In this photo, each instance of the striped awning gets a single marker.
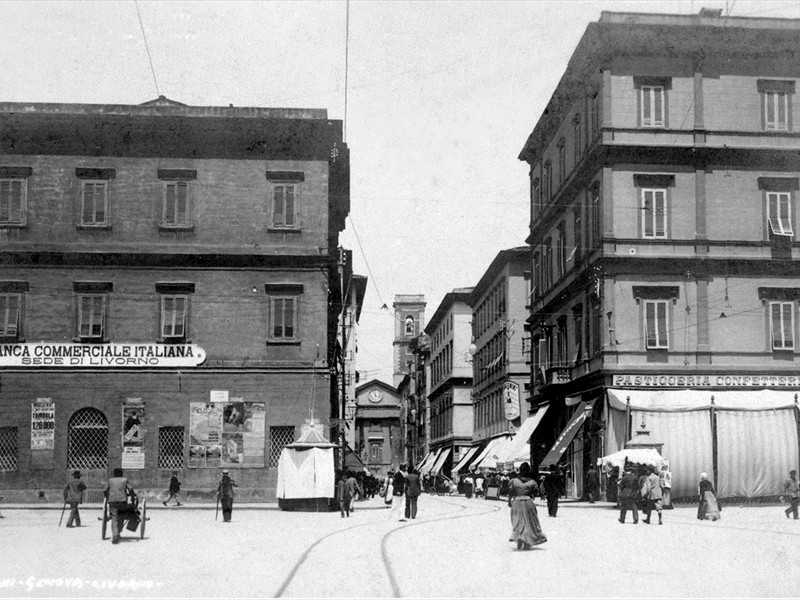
(466, 459)
(437, 466)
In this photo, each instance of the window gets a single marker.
(283, 316)
(776, 104)
(576, 138)
(656, 323)
(279, 437)
(596, 325)
(561, 251)
(577, 229)
(87, 440)
(577, 331)
(594, 115)
(782, 325)
(284, 200)
(10, 309)
(410, 329)
(562, 162)
(174, 317)
(375, 452)
(652, 106)
(8, 449)
(92, 316)
(547, 266)
(171, 442)
(94, 203)
(654, 211)
(594, 211)
(779, 213)
(13, 197)
(176, 204)
(537, 276)
(561, 342)
(547, 182)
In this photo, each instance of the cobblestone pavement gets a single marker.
(455, 548)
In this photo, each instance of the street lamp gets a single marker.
(350, 410)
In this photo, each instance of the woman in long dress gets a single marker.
(526, 530)
(709, 507)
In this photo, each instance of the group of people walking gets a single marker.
(401, 491)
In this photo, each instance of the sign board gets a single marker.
(706, 381)
(511, 400)
(43, 424)
(42, 354)
(219, 395)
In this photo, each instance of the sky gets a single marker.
(440, 98)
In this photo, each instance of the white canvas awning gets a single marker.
(465, 460)
(437, 466)
(519, 450)
(682, 400)
(424, 462)
(489, 456)
(432, 461)
(638, 456)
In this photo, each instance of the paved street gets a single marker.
(455, 548)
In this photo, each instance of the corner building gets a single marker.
(664, 187)
(168, 288)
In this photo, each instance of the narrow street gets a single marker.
(455, 548)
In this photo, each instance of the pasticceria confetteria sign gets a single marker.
(706, 381)
(43, 354)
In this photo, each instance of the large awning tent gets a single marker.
(747, 439)
(519, 449)
(306, 473)
(430, 461)
(469, 456)
(636, 456)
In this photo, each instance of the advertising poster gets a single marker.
(511, 400)
(227, 434)
(43, 424)
(133, 434)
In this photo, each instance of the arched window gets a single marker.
(87, 440)
(410, 326)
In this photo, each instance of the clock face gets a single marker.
(375, 396)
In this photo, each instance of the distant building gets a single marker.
(417, 414)
(169, 290)
(409, 314)
(664, 186)
(379, 438)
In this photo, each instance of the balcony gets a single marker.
(557, 375)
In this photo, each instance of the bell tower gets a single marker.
(409, 315)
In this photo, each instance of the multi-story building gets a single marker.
(378, 426)
(169, 289)
(664, 186)
(409, 315)
(418, 413)
(500, 366)
(450, 395)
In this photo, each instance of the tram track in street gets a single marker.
(385, 558)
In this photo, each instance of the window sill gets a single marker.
(787, 354)
(283, 342)
(284, 230)
(88, 340)
(165, 227)
(13, 225)
(83, 227)
(173, 341)
(11, 339)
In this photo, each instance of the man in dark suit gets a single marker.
(413, 491)
(628, 487)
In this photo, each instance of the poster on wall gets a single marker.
(43, 424)
(133, 434)
(227, 434)
(511, 400)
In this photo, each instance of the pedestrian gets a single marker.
(353, 488)
(121, 498)
(398, 494)
(388, 489)
(613, 486)
(653, 495)
(525, 527)
(666, 485)
(628, 490)
(592, 484)
(413, 491)
(553, 484)
(478, 485)
(792, 489)
(73, 495)
(174, 489)
(468, 486)
(709, 507)
(343, 495)
(225, 494)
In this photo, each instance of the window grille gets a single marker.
(171, 442)
(88, 440)
(278, 438)
(8, 448)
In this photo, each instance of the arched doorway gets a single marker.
(87, 440)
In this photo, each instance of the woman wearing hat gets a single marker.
(73, 494)
(225, 495)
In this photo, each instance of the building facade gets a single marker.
(409, 315)
(417, 405)
(170, 290)
(450, 395)
(379, 433)
(664, 179)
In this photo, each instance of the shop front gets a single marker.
(740, 429)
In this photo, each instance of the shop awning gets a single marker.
(682, 400)
(424, 462)
(488, 458)
(519, 450)
(437, 466)
(466, 459)
(352, 462)
(583, 412)
(431, 461)
(637, 456)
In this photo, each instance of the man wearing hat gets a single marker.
(225, 495)
(174, 489)
(73, 494)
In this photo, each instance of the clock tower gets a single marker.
(409, 315)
